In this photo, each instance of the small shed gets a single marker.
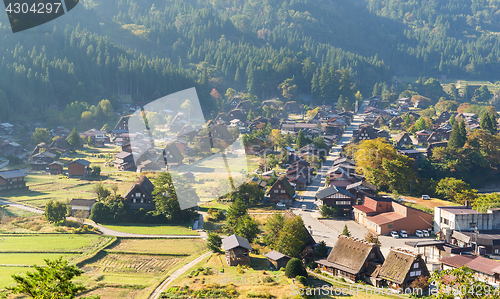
(237, 250)
(277, 260)
(56, 167)
(79, 168)
(84, 205)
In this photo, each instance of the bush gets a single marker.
(301, 279)
(295, 267)
(267, 279)
(312, 265)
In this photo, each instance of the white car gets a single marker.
(426, 233)
(426, 197)
(281, 205)
(394, 234)
(403, 234)
(419, 233)
(304, 207)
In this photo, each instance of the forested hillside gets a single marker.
(326, 48)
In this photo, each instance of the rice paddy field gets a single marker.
(18, 253)
(132, 268)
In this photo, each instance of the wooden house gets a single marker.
(236, 114)
(148, 165)
(245, 107)
(365, 132)
(401, 268)
(337, 197)
(352, 259)
(292, 107)
(282, 192)
(434, 137)
(12, 179)
(233, 103)
(41, 161)
(171, 155)
(422, 136)
(123, 123)
(124, 161)
(237, 250)
(276, 260)
(403, 140)
(83, 206)
(361, 189)
(79, 169)
(56, 168)
(140, 195)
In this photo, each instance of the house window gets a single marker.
(390, 226)
(412, 273)
(496, 251)
(415, 266)
(282, 191)
(472, 225)
(134, 200)
(445, 221)
(138, 194)
(142, 200)
(275, 191)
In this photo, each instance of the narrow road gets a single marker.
(102, 229)
(163, 286)
(323, 231)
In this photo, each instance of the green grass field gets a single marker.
(165, 229)
(28, 259)
(50, 243)
(29, 250)
(160, 246)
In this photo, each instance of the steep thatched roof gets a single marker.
(397, 265)
(350, 254)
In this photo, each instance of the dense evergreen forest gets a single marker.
(327, 48)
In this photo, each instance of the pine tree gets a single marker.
(455, 138)
(74, 140)
(463, 133)
(346, 231)
(301, 142)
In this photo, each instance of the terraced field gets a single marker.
(124, 263)
(160, 246)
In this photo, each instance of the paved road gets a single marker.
(156, 294)
(107, 231)
(329, 230)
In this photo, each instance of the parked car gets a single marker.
(426, 197)
(419, 233)
(281, 205)
(426, 233)
(403, 234)
(304, 207)
(394, 234)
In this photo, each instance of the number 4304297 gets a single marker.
(34, 8)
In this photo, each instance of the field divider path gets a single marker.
(162, 287)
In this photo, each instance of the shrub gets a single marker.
(267, 279)
(312, 265)
(295, 267)
(301, 279)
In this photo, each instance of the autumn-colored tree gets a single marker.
(215, 94)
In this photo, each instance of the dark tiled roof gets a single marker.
(82, 202)
(123, 155)
(234, 241)
(332, 190)
(274, 255)
(81, 162)
(10, 174)
(361, 183)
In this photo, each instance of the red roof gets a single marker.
(384, 218)
(475, 263)
(363, 209)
